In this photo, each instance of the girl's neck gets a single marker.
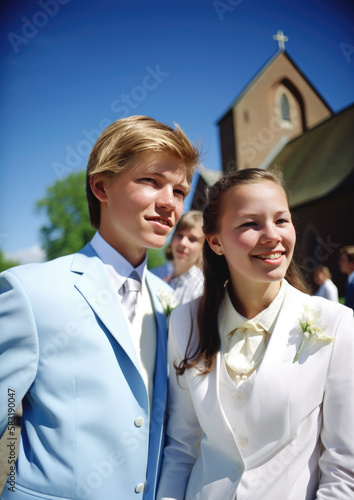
(250, 301)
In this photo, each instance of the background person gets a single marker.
(83, 337)
(258, 411)
(326, 288)
(346, 265)
(183, 273)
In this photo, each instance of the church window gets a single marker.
(285, 108)
(246, 116)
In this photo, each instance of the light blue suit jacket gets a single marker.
(66, 350)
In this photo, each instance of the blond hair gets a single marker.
(126, 140)
(189, 220)
(325, 270)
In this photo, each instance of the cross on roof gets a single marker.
(281, 38)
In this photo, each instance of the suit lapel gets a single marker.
(95, 286)
(157, 425)
(161, 332)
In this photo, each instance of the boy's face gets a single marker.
(141, 206)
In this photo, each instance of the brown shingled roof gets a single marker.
(317, 162)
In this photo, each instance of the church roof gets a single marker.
(316, 163)
(319, 161)
(255, 79)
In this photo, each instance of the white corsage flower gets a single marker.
(168, 301)
(312, 328)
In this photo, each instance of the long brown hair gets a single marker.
(216, 271)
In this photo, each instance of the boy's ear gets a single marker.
(98, 185)
(215, 244)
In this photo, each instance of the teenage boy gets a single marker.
(82, 348)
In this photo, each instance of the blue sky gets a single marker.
(71, 67)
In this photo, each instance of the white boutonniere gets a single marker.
(168, 301)
(312, 328)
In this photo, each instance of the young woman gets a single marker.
(261, 379)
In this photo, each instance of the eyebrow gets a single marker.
(183, 185)
(162, 174)
(279, 212)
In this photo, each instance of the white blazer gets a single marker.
(299, 417)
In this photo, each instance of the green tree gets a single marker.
(156, 257)
(69, 227)
(6, 263)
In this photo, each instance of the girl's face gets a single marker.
(256, 234)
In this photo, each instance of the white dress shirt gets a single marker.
(244, 357)
(188, 286)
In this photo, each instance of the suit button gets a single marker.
(139, 488)
(243, 442)
(138, 422)
(239, 467)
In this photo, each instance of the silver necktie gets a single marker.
(131, 288)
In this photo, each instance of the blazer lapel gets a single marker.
(161, 350)
(95, 286)
(157, 425)
(287, 333)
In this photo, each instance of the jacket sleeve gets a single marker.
(183, 429)
(337, 459)
(18, 346)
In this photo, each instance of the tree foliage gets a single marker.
(69, 227)
(156, 257)
(6, 263)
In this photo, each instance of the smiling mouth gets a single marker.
(270, 256)
(164, 222)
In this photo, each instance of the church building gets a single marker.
(280, 118)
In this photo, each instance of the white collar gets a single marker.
(231, 319)
(117, 266)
